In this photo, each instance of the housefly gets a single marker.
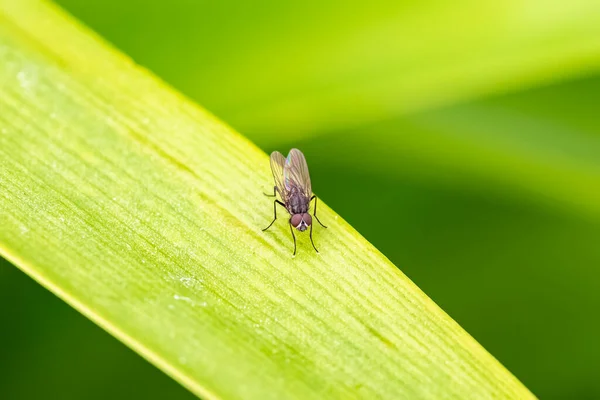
(292, 182)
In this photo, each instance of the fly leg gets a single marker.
(274, 192)
(274, 212)
(294, 237)
(311, 239)
(315, 214)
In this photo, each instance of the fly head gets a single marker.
(301, 221)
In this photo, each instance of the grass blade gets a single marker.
(319, 67)
(144, 212)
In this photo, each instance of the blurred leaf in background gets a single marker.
(274, 68)
(459, 138)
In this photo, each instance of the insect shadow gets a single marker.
(292, 182)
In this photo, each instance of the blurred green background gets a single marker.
(462, 139)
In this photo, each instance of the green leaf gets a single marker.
(143, 212)
(275, 68)
(50, 350)
(540, 146)
(301, 80)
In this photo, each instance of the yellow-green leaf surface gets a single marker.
(314, 67)
(391, 58)
(370, 75)
(144, 212)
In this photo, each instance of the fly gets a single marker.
(292, 182)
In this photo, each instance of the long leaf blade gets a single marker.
(320, 67)
(144, 213)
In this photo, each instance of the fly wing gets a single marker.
(295, 173)
(277, 164)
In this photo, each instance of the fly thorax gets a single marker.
(297, 204)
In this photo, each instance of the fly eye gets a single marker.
(296, 220)
(307, 219)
